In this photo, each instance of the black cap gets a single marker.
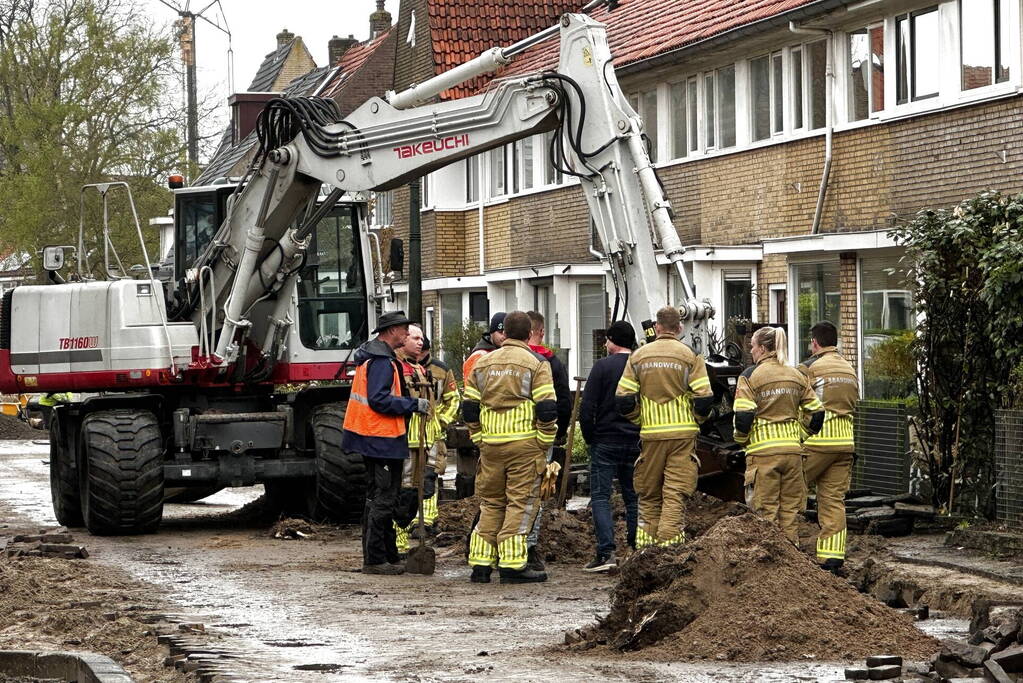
(497, 322)
(622, 333)
(426, 342)
(391, 319)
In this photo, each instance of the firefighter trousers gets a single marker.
(830, 472)
(775, 489)
(508, 486)
(664, 477)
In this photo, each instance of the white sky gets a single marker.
(254, 25)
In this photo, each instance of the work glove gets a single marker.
(423, 407)
(549, 484)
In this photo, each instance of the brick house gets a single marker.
(921, 111)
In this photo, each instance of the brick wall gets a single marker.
(373, 79)
(298, 63)
(773, 270)
(847, 325)
(412, 64)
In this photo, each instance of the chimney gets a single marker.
(336, 47)
(284, 37)
(245, 107)
(379, 21)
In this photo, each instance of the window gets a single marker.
(709, 119)
(777, 94)
(592, 316)
(472, 179)
(817, 76)
(498, 171)
(917, 51)
(479, 307)
(645, 104)
(866, 72)
(450, 316)
(522, 171)
(760, 97)
(796, 62)
(694, 114)
(738, 294)
(777, 313)
(424, 191)
(817, 298)
(679, 132)
(331, 297)
(984, 39)
(886, 328)
(552, 176)
(544, 303)
(383, 208)
(726, 106)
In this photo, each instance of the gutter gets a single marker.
(811, 11)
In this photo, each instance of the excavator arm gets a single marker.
(385, 143)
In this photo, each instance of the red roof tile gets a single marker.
(639, 29)
(351, 61)
(461, 30)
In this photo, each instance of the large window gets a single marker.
(719, 108)
(472, 179)
(383, 208)
(866, 72)
(679, 121)
(522, 164)
(645, 104)
(918, 55)
(738, 294)
(479, 307)
(552, 175)
(693, 109)
(450, 315)
(985, 41)
(760, 97)
(886, 328)
(817, 298)
(592, 316)
(498, 171)
(817, 76)
(796, 66)
(331, 298)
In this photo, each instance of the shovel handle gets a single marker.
(563, 493)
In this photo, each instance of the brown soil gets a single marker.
(51, 604)
(741, 592)
(13, 428)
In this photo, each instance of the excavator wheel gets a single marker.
(121, 473)
(67, 503)
(338, 492)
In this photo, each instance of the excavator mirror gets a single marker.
(53, 258)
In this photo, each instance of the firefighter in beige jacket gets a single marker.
(665, 390)
(511, 413)
(770, 400)
(828, 455)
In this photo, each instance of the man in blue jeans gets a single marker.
(614, 445)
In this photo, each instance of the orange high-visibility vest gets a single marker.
(361, 419)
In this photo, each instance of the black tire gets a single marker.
(121, 476)
(67, 503)
(189, 494)
(340, 475)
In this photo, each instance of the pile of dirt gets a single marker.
(51, 604)
(742, 592)
(13, 428)
(703, 512)
(291, 529)
(454, 522)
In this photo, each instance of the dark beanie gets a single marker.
(497, 323)
(622, 334)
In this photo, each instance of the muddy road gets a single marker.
(300, 610)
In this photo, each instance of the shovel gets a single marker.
(422, 559)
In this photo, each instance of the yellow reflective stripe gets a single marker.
(481, 553)
(542, 390)
(508, 425)
(628, 384)
(643, 539)
(676, 414)
(743, 404)
(832, 547)
(472, 393)
(661, 429)
(700, 383)
(400, 538)
(544, 437)
(512, 552)
(813, 406)
(772, 443)
(837, 431)
(430, 512)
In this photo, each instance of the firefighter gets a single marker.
(828, 455)
(490, 341)
(666, 391)
(511, 412)
(770, 399)
(422, 368)
(374, 428)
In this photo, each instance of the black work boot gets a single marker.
(480, 574)
(534, 561)
(833, 565)
(524, 575)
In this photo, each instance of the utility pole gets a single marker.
(186, 39)
(415, 254)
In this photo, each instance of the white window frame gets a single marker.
(383, 209)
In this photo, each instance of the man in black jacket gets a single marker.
(614, 445)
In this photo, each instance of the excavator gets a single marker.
(272, 284)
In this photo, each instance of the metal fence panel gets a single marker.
(882, 444)
(1009, 465)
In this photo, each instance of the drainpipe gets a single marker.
(829, 116)
(479, 193)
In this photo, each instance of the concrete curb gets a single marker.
(83, 667)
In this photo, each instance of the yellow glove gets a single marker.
(549, 485)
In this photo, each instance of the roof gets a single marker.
(351, 61)
(227, 155)
(270, 69)
(640, 29)
(461, 30)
